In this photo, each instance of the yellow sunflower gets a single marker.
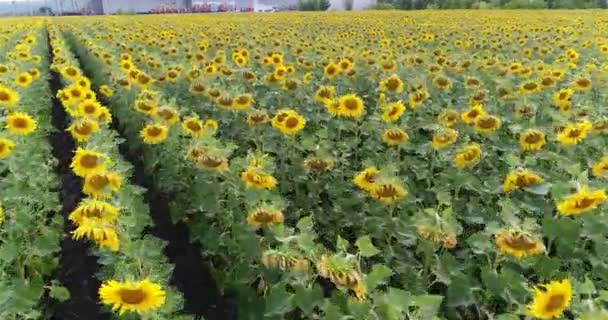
(563, 99)
(366, 179)
(20, 123)
(324, 94)
(106, 91)
(94, 209)
(582, 201)
(351, 106)
(331, 70)
(101, 185)
(8, 97)
(487, 124)
(264, 216)
(86, 162)
(132, 296)
(154, 133)
(472, 114)
(448, 118)
(257, 178)
(145, 106)
(582, 84)
(518, 244)
(6, 147)
(243, 102)
(387, 191)
(574, 133)
(89, 108)
(168, 115)
(468, 156)
(551, 300)
(392, 111)
(288, 121)
(24, 79)
(394, 137)
(193, 126)
(445, 138)
(392, 83)
(521, 179)
(600, 169)
(82, 128)
(532, 140)
(214, 163)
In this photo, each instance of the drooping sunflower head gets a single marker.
(274, 259)
(395, 137)
(342, 273)
(243, 101)
(520, 179)
(154, 133)
(102, 185)
(551, 300)
(20, 123)
(264, 215)
(366, 179)
(448, 118)
(600, 168)
(351, 106)
(387, 191)
(518, 244)
(487, 124)
(318, 165)
(257, 117)
(216, 163)
(132, 296)
(86, 162)
(255, 177)
(393, 111)
(325, 93)
(468, 156)
(532, 140)
(444, 138)
(225, 101)
(435, 234)
(6, 147)
(102, 211)
(582, 201)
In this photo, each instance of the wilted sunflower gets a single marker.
(350, 106)
(392, 111)
(273, 259)
(445, 138)
(551, 300)
(8, 97)
(140, 296)
(387, 191)
(600, 168)
(342, 273)
(518, 244)
(99, 231)
(264, 215)
(521, 179)
(20, 123)
(394, 137)
(94, 209)
(392, 83)
(101, 185)
(435, 234)
(468, 156)
(582, 201)
(532, 140)
(154, 133)
(225, 101)
(6, 147)
(366, 179)
(86, 162)
(81, 129)
(256, 177)
(487, 124)
(471, 115)
(316, 164)
(212, 162)
(574, 133)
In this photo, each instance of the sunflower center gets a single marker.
(83, 129)
(530, 86)
(154, 131)
(71, 72)
(257, 118)
(563, 95)
(471, 155)
(487, 123)
(473, 114)
(264, 217)
(584, 203)
(242, 100)
(89, 109)
(520, 242)
(211, 162)
(325, 93)
(574, 133)
(291, 122)
(555, 302)
(393, 84)
(442, 82)
(386, 191)
(351, 104)
(225, 101)
(532, 138)
(395, 135)
(547, 82)
(89, 161)
(20, 123)
(331, 70)
(583, 82)
(4, 96)
(132, 296)
(166, 114)
(99, 181)
(194, 126)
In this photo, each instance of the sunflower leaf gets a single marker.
(366, 247)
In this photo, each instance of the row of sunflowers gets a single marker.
(113, 213)
(30, 228)
(338, 165)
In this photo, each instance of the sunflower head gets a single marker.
(393, 111)
(387, 191)
(444, 138)
(8, 97)
(102, 185)
(487, 124)
(132, 296)
(6, 147)
(551, 300)
(518, 244)
(20, 123)
(351, 106)
(468, 156)
(86, 162)
(154, 133)
(264, 216)
(582, 201)
(395, 137)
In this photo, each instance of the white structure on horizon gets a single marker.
(340, 5)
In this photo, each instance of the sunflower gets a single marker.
(521, 179)
(243, 102)
(446, 138)
(288, 121)
(387, 191)
(86, 162)
(273, 259)
(574, 133)
(20, 123)
(89, 209)
(193, 126)
(394, 137)
(600, 169)
(83, 82)
(392, 83)
(129, 296)
(24, 79)
(487, 124)
(89, 108)
(529, 88)
(264, 216)
(318, 164)
(324, 94)
(562, 99)
(448, 118)
(106, 91)
(154, 133)
(71, 73)
(350, 106)
(472, 114)
(468, 156)
(6, 147)
(550, 300)
(518, 244)
(257, 178)
(342, 273)
(214, 163)
(82, 129)
(8, 96)
(392, 111)
(417, 97)
(225, 101)
(442, 83)
(532, 140)
(366, 179)
(582, 201)
(99, 231)
(101, 185)
(146, 106)
(258, 117)
(331, 70)
(581, 84)
(104, 115)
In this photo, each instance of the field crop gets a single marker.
(370, 165)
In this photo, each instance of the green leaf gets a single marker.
(366, 247)
(342, 244)
(539, 189)
(460, 291)
(507, 316)
(428, 304)
(59, 292)
(377, 275)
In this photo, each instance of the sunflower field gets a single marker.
(359, 165)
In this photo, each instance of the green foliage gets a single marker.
(313, 5)
(382, 6)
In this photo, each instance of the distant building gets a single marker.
(136, 6)
(356, 4)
